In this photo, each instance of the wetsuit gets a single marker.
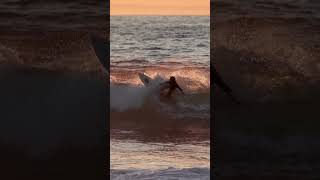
(171, 85)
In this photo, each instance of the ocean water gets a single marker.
(152, 138)
(268, 53)
(53, 15)
(51, 34)
(262, 8)
(52, 109)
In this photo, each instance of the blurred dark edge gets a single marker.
(270, 139)
(54, 123)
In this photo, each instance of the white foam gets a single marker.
(134, 96)
(124, 97)
(130, 97)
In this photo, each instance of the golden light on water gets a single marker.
(152, 156)
(160, 7)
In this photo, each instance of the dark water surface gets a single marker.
(268, 52)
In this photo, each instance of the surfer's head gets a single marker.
(172, 78)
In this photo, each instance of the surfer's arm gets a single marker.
(179, 88)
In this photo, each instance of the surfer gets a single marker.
(171, 85)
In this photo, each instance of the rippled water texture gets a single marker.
(151, 138)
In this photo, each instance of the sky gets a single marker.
(160, 7)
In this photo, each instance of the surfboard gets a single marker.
(146, 80)
(101, 48)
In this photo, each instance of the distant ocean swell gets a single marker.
(53, 15)
(276, 8)
(270, 58)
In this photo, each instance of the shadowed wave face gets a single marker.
(268, 53)
(53, 106)
(267, 57)
(52, 124)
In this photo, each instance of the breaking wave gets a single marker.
(130, 98)
(266, 64)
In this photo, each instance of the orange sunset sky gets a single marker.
(160, 7)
